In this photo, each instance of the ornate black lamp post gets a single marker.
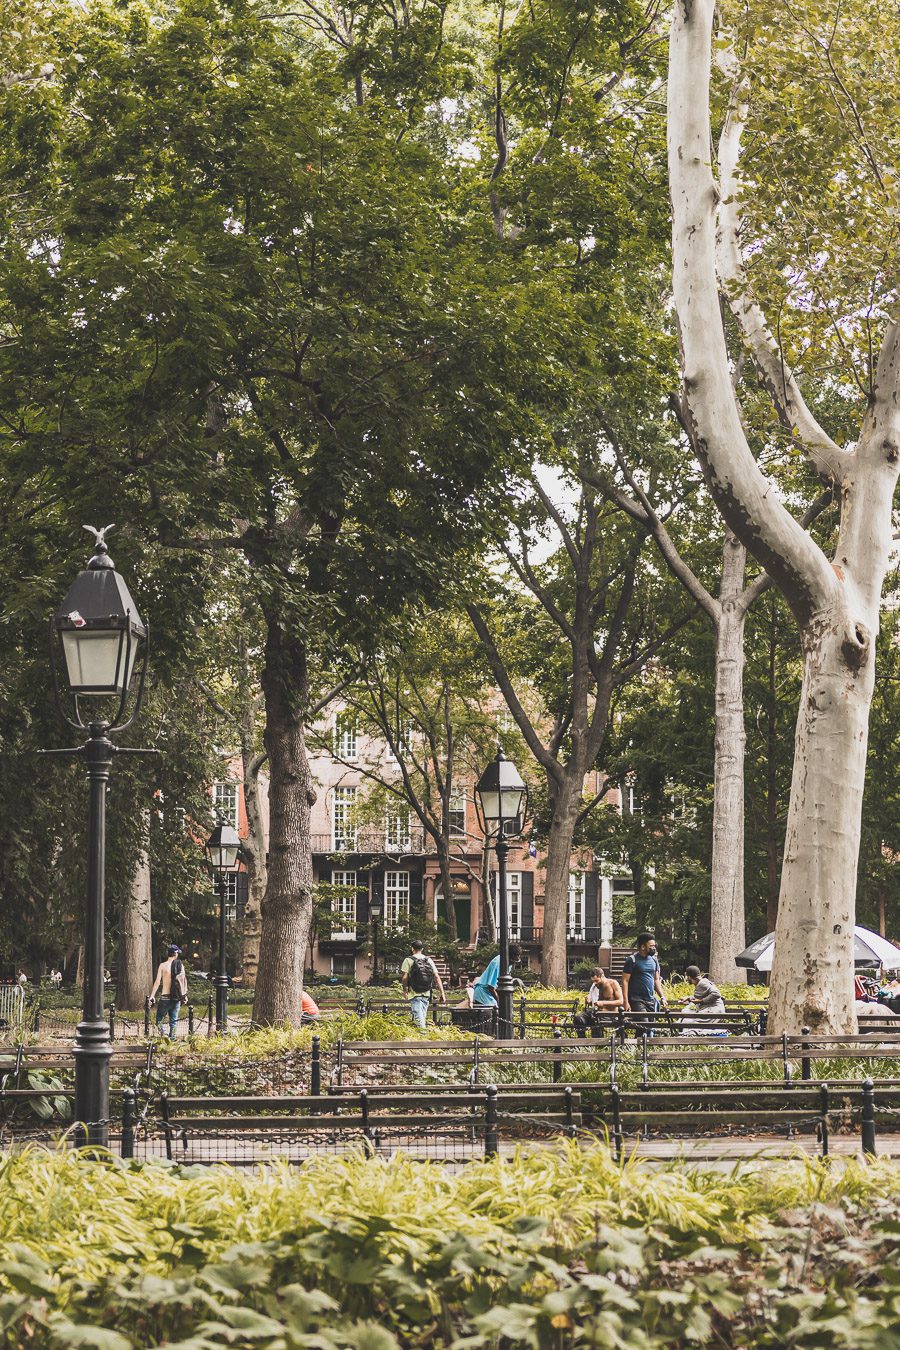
(103, 640)
(502, 799)
(376, 909)
(222, 849)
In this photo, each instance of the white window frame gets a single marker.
(343, 908)
(396, 898)
(457, 806)
(225, 801)
(231, 896)
(344, 958)
(343, 828)
(575, 910)
(629, 798)
(397, 832)
(345, 736)
(514, 903)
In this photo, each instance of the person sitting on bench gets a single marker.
(604, 995)
(706, 998)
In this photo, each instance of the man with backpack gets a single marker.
(171, 981)
(419, 974)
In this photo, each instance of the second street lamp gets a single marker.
(375, 910)
(222, 849)
(502, 799)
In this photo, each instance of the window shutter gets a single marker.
(243, 889)
(591, 910)
(362, 896)
(527, 924)
(416, 902)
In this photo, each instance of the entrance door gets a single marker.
(462, 907)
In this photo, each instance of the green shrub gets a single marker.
(557, 1248)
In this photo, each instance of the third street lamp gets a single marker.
(222, 849)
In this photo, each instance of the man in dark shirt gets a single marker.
(641, 981)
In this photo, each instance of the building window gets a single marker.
(396, 899)
(575, 927)
(457, 811)
(344, 965)
(344, 825)
(401, 735)
(231, 896)
(343, 909)
(397, 830)
(345, 736)
(225, 802)
(514, 902)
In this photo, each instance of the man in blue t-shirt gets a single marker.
(641, 981)
(484, 993)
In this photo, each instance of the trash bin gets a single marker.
(473, 1019)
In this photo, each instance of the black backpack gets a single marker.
(420, 975)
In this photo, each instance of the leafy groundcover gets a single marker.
(553, 1248)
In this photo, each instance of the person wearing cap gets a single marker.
(706, 998)
(171, 981)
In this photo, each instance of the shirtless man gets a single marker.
(604, 995)
(170, 971)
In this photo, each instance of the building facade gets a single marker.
(386, 859)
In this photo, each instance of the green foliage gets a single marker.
(558, 1248)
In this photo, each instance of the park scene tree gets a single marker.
(469, 384)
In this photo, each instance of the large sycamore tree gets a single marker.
(836, 168)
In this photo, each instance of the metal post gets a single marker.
(128, 1123)
(570, 1116)
(868, 1119)
(147, 1017)
(92, 1045)
(557, 1056)
(190, 1008)
(222, 975)
(620, 1024)
(210, 1024)
(504, 983)
(374, 948)
(521, 1017)
(805, 1065)
(823, 1118)
(112, 1021)
(491, 1128)
(617, 1122)
(315, 1069)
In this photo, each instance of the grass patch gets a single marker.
(558, 1248)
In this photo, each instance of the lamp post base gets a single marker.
(92, 1051)
(221, 1004)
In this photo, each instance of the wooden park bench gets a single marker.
(454, 1124)
(368, 1063)
(682, 1110)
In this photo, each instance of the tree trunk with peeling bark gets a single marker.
(727, 933)
(287, 905)
(255, 853)
(566, 804)
(135, 973)
(836, 606)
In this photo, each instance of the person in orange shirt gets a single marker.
(309, 1009)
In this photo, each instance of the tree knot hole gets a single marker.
(855, 647)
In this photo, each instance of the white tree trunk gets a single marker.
(836, 605)
(135, 973)
(812, 973)
(727, 928)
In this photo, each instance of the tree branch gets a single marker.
(829, 459)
